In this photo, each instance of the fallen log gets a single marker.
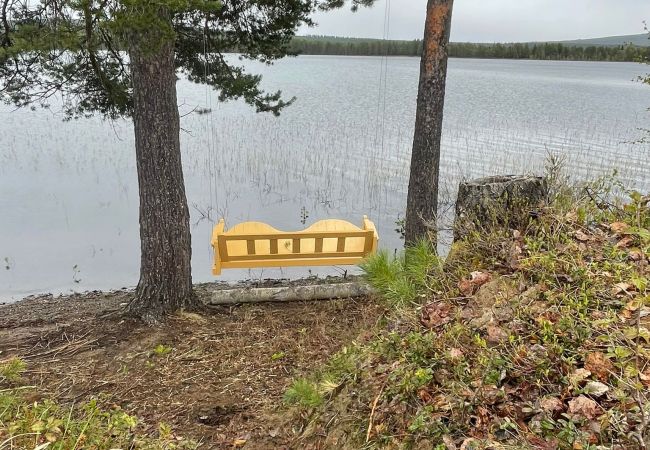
(291, 293)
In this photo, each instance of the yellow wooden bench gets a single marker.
(325, 243)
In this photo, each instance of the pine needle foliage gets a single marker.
(403, 278)
(79, 49)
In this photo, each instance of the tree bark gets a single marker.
(165, 272)
(289, 293)
(422, 202)
(486, 204)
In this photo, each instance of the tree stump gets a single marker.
(498, 202)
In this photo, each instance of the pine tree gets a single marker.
(422, 201)
(121, 58)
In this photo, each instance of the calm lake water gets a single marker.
(68, 190)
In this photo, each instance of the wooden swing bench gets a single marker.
(325, 243)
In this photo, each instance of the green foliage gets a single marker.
(12, 370)
(46, 424)
(80, 48)
(553, 343)
(328, 45)
(303, 393)
(277, 356)
(162, 350)
(405, 278)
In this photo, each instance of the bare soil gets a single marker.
(219, 379)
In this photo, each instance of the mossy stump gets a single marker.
(509, 201)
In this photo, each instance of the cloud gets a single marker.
(495, 20)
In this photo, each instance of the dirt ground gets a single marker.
(220, 377)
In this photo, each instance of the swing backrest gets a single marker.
(325, 243)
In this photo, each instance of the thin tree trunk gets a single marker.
(422, 203)
(165, 272)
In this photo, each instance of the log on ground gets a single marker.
(288, 293)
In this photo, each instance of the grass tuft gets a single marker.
(12, 370)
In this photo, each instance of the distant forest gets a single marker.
(323, 45)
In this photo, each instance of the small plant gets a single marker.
(45, 424)
(304, 215)
(277, 355)
(303, 393)
(405, 278)
(12, 370)
(400, 227)
(162, 350)
(75, 274)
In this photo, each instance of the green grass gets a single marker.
(47, 424)
(553, 352)
(12, 370)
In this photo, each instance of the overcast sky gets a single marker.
(495, 20)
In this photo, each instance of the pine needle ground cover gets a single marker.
(74, 376)
(534, 338)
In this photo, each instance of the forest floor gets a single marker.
(217, 379)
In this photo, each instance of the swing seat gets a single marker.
(325, 243)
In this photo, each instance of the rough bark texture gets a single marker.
(422, 203)
(165, 273)
(502, 201)
(289, 293)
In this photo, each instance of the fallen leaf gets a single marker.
(645, 378)
(496, 335)
(456, 353)
(543, 444)
(466, 287)
(596, 389)
(425, 396)
(435, 314)
(598, 364)
(622, 288)
(636, 255)
(582, 237)
(583, 406)
(625, 242)
(618, 227)
(470, 444)
(477, 279)
(551, 404)
(449, 442)
(579, 376)
(239, 442)
(480, 278)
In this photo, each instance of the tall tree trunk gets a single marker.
(422, 203)
(165, 272)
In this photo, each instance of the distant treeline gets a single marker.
(318, 45)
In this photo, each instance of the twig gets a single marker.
(372, 411)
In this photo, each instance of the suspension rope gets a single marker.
(211, 163)
(380, 120)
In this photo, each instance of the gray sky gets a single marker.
(496, 20)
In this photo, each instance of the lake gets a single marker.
(69, 196)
